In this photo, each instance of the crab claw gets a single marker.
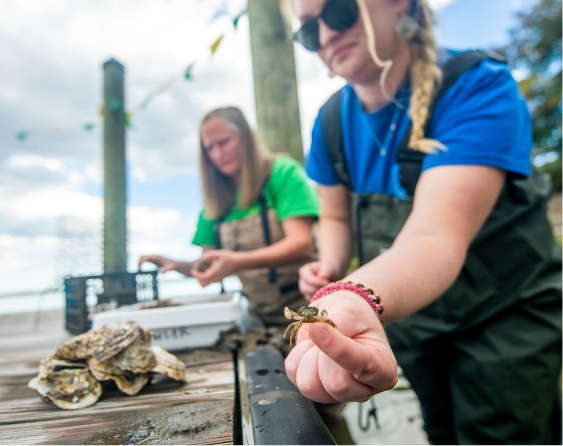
(287, 313)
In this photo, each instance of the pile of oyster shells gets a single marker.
(71, 377)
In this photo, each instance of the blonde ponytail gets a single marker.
(425, 77)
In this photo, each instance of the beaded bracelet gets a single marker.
(361, 290)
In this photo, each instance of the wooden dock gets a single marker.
(164, 412)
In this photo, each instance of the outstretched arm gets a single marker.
(165, 264)
(451, 204)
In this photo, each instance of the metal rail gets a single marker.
(273, 409)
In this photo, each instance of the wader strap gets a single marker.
(218, 233)
(266, 228)
(410, 161)
(359, 208)
(218, 242)
(332, 134)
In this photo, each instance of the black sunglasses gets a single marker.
(338, 15)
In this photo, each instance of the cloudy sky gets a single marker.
(51, 56)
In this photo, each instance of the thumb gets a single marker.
(320, 335)
(341, 349)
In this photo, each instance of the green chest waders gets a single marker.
(485, 358)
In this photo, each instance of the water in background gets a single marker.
(167, 288)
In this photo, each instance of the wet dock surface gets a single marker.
(164, 412)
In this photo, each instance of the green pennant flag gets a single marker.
(115, 105)
(237, 18)
(188, 72)
(22, 136)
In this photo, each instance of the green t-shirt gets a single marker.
(288, 191)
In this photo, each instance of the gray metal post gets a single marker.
(275, 82)
(115, 194)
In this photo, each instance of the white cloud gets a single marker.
(26, 262)
(160, 231)
(25, 161)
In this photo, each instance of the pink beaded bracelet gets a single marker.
(367, 293)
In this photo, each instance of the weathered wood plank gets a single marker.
(164, 412)
(42, 321)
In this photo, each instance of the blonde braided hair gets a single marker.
(425, 75)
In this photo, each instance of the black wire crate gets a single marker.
(88, 295)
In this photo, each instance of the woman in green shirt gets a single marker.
(257, 221)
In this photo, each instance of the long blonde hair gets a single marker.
(219, 190)
(425, 75)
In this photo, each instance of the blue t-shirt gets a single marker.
(482, 120)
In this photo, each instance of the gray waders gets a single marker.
(485, 358)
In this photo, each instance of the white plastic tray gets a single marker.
(194, 321)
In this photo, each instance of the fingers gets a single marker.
(214, 273)
(327, 272)
(310, 280)
(307, 377)
(340, 384)
(293, 360)
(318, 377)
(365, 365)
(157, 260)
(301, 367)
(306, 289)
(169, 266)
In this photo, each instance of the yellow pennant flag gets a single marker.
(216, 44)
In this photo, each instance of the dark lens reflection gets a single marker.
(308, 35)
(338, 15)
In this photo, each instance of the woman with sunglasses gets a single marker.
(257, 221)
(423, 168)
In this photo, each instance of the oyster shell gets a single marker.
(70, 376)
(127, 382)
(102, 343)
(169, 364)
(110, 343)
(68, 388)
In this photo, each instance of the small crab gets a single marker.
(305, 315)
(202, 265)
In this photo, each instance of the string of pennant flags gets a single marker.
(185, 74)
